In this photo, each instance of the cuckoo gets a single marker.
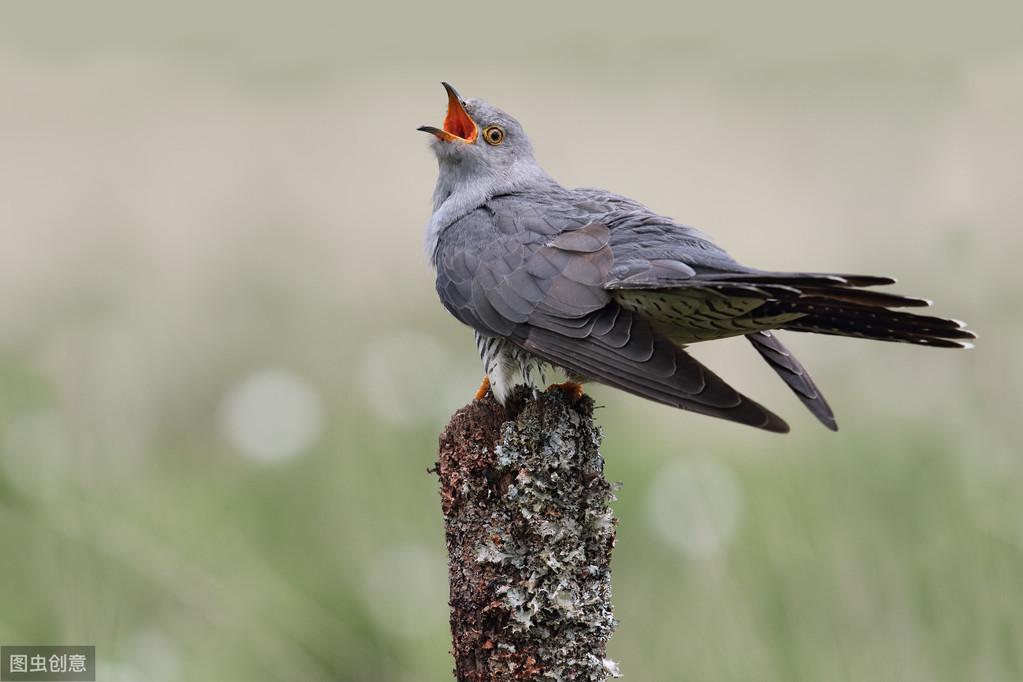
(598, 286)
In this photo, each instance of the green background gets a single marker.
(223, 367)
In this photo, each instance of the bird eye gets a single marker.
(494, 135)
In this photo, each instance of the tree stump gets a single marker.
(529, 531)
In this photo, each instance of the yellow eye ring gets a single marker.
(494, 135)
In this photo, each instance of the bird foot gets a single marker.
(572, 389)
(481, 392)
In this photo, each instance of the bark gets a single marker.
(529, 535)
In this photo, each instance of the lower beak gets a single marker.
(458, 125)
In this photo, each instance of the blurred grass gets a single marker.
(191, 201)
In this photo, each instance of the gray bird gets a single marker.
(603, 288)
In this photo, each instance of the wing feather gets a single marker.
(795, 375)
(669, 376)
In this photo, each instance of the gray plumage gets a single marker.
(602, 287)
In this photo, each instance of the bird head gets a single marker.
(479, 137)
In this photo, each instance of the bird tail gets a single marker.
(841, 316)
(839, 305)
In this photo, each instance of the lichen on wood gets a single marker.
(529, 532)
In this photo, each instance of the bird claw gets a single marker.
(572, 389)
(481, 392)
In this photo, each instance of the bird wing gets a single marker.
(693, 291)
(792, 372)
(539, 278)
(654, 252)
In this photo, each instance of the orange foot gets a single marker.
(572, 388)
(482, 391)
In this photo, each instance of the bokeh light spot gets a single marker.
(410, 378)
(272, 415)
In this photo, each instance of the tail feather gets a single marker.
(839, 305)
(864, 297)
(800, 278)
(833, 315)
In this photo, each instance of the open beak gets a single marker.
(458, 125)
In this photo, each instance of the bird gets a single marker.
(604, 289)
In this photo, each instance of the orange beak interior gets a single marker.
(458, 122)
(458, 125)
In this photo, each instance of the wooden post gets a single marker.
(529, 532)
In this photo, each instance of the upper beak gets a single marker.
(458, 125)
